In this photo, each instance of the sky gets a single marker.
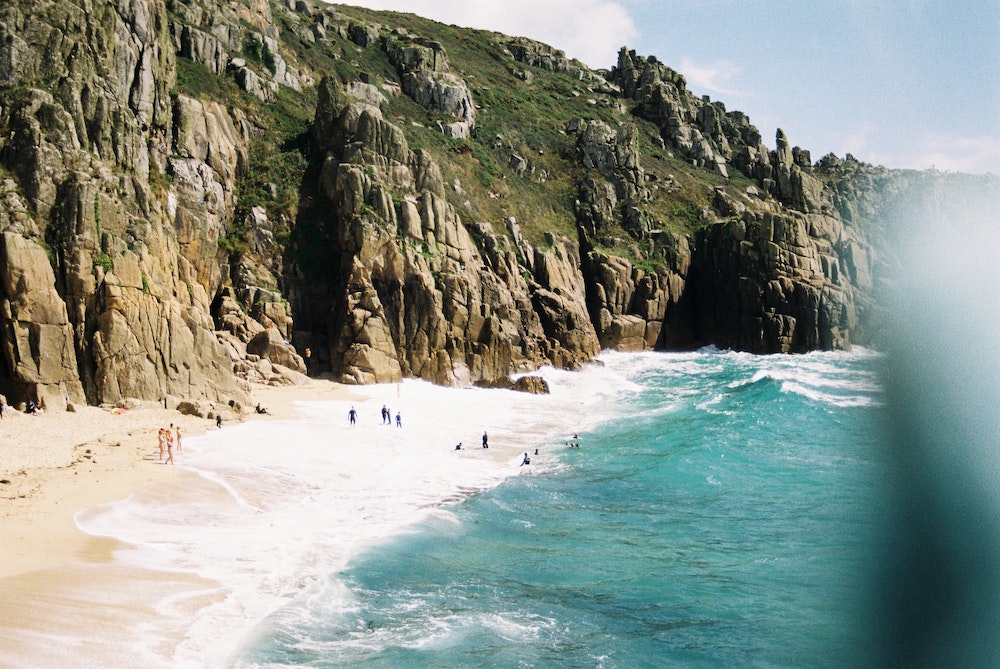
(899, 83)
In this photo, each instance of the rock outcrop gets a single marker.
(777, 283)
(421, 298)
(38, 356)
(109, 283)
(196, 193)
(423, 67)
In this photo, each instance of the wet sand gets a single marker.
(59, 585)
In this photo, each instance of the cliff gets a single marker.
(196, 191)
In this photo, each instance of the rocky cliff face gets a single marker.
(190, 195)
(421, 297)
(109, 275)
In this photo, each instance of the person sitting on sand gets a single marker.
(458, 446)
(260, 409)
(526, 461)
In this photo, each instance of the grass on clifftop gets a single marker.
(522, 113)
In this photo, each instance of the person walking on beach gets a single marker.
(399, 420)
(218, 421)
(352, 415)
(385, 414)
(486, 440)
(172, 431)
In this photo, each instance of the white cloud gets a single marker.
(589, 30)
(716, 77)
(858, 144)
(959, 154)
(919, 149)
(948, 153)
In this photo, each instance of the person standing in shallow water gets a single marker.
(486, 440)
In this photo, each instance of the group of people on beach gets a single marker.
(387, 416)
(352, 418)
(30, 407)
(168, 438)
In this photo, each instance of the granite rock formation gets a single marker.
(193, 193)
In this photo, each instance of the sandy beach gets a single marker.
(54, 465)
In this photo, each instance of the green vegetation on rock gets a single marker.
(401, 196)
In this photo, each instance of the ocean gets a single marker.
(698, 509)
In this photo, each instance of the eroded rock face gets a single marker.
(124, 309)
(38, 357)
(421, 297)
(628, 305)
(693, 125)
(124, 276)
(426, 78)
(709, 136)
(775, 284)
(271, 345)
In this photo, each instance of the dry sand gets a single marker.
(55, 464)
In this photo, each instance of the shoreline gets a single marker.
(69, 597)
(58, 464)
(55, 579)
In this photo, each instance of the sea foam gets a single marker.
(274, 510)
(276, 507)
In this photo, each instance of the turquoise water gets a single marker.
(717, 513)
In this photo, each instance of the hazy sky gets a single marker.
(901, 83)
